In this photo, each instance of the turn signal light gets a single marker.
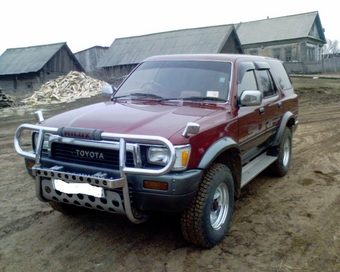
(185, 157)
(30, 164)
(155, 185)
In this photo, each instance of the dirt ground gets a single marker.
(279, 224)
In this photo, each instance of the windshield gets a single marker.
(189, 80)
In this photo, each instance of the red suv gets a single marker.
(181, 134)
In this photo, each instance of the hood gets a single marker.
(147, 118)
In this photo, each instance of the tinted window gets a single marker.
(281, 75)
(176, 79)
(266, 82)
(248, 82)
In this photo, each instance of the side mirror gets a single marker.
(107, 91)
(251, 98)
(191, 128)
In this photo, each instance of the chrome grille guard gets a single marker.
(39, 172)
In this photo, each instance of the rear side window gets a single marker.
(281, 75)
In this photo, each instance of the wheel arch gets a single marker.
(225, 151)
(288, 120)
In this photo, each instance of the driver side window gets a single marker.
(248, 83)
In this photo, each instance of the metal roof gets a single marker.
(280, 28)
(27, 59)
(133, 50)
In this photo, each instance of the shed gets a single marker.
(90, 57)
(27, 68)
(125, 53)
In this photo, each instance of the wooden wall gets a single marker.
(90, 57)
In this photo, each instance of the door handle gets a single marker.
(279, 105)
(261, 111)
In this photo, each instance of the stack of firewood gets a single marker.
(66, 88)
(5, 100)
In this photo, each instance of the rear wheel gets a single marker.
(206, 220)
(284, 153)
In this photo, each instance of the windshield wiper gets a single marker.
(139, 95)
(117, 97)
(147, 95)
(170, 98)
(204, 98)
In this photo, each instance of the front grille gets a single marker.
(87, 155)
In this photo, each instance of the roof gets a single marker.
(280, 28)
(133, 50)
(207, 57)
(93, 48)
(28, 59)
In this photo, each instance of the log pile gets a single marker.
(5, 100)
(66, 88)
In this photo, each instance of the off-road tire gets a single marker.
(284, 154)
(205, 222)
(66, 209)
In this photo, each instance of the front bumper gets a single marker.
(123, 190)
(181, 189)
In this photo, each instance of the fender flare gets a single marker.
(285, 119)
(215, 150)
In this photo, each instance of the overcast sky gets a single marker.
(83, 24)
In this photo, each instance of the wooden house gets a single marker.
(295, 39)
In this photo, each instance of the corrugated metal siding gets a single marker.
(133, 50)
(276, 29)
(28, 59)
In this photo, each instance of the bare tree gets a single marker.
(331, 47)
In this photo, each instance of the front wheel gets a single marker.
(206, 220)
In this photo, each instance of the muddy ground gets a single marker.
(279, 224)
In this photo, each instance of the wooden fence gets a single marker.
(327, 65)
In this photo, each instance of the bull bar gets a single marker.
(38, 171)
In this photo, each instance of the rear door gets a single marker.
(271, 104)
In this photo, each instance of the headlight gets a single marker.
(160, 156)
